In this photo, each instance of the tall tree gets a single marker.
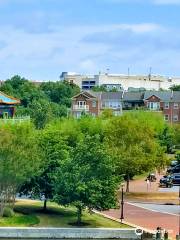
(19, 160)
(133, 146)
(87, 178)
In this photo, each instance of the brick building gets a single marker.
(94, 103)
(167, 102)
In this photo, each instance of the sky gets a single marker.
(39, 39)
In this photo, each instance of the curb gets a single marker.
(124, 222)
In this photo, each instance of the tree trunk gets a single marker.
(45, 205)
(127, 184)
(79, 215)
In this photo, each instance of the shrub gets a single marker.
(8, 212)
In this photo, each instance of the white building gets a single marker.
(120, 81)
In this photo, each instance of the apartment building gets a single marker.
(119, 81)
(94, 103)
(166, 102)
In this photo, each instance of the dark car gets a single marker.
(175, 169)
(166, 181)
(176, 179)
(174, 163)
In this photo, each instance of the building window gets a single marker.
(81, 104)
(154, 105)
(166, 117)
(166, 105)
(175, 118)
(94, 104)
(93, 114)
(176, 106)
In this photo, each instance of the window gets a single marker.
(94, 104)
(166, 117)
(81, 104)
(154, 105)
(176, 106)
(175, 118)
(93, 114)
(166, 105)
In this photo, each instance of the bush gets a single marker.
(8, 212)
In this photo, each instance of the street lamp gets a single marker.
(122, 202)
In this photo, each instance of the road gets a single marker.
(148, 219)
(170, 209)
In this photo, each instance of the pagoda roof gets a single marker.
(4, 98)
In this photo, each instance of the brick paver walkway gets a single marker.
(147, 219)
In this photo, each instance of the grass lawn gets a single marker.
(29, 213)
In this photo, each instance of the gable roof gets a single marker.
(165, 96)
(111, 95)
(133, 96)
(4, 98)
(176, 96)
(85, 94)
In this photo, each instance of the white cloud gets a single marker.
(38, 55)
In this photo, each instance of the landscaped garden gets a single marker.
(30, 213)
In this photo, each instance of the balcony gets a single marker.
(81, 107)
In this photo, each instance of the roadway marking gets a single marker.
(152, 210)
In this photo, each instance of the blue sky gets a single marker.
(41, 38)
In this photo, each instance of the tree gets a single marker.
(99, 88)
(60, 92)
(19, 160)
(87, 178)
(41, 113)
(175, 88)
(55, 151)
(133, 146)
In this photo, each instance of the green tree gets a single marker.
(19, 160)
(99, 88)
(175, 88)
(55, 151)
(60, 92)
(133, 146)
(40, 112)
(87, 178)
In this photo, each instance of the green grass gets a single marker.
(29, 213)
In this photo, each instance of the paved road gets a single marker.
(170, 209)
(147, 219)
(173, 189)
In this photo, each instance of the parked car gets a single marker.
(166, 181)
(175, 169)
(176, 179)
(174, 163)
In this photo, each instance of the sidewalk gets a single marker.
(147, 219)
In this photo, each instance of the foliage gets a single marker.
(43, 103)
(87, 178)
(99, 89)
(175, 88)
(55, 151)
(133, 146)
(19, 159)
(8, 212)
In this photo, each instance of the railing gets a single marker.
(81, 107)
(15, 120)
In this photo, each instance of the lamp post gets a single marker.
(122, 202)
